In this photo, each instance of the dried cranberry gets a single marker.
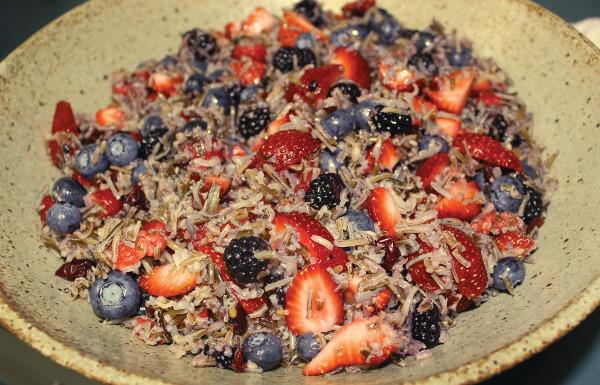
(240, 322)
(75, 269)
(136, 198)
(392, 254)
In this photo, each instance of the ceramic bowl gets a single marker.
(555, 69)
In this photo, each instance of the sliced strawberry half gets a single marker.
(516, 243)
(233, 29)
(396, 77)
(418, 271)
(297, 22)
(390, 155)
(496, 223)
(451, 92)
(248, 72)
(64, 119)
(154, 225)
(383, 210)
(286, 148)
(251, 306)
(223, 184)
(449, 126)
(258, 22)
(313, 302)
(356, 67)
(256, 52)
(460, 205)
(488, 150)
(422, 105)
(149, 241)
(381, 300)
(107, 201)
(472, 279)
(164, 83)
(168, 281)
(110, 115)
(432, 168)
(315, 84)
(357, 8)
(127, 256)
(217, 260)
(490, 99)
(363, 342)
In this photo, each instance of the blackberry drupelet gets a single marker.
(240, 260)
(203, 43)
(283, 60)
(223, 358)
(497, 129)
(426, 327)
(350, 90)
(254, 121)
(305, 57)
(147, 145)
(392, 122)
(324, 191)
(424, 63)
(534, 208)
(311, 10)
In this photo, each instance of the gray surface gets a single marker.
(574, 360)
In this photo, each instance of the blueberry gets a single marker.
(385, 26)
(307, 346)
(433, 142)
(306, 41)
(154, 126)
(168, 61)
(460, 57)
(360, 220)
(248, 93)
(345, 36)
(514, 270)
(480, 179)
(218, 97)
(530, 171)
(121, 149)
(63, 218)
(264, 349)
(115, 298)
(68, 190)
(195, 123)
(516, 141)
(216, 75)
(200, 64)
(194, 84)
(507, 193)
(363, 112)
(202, 43)
(339, 123)
(84, 161)
(328, 161)
(423, 40)
(138, 172)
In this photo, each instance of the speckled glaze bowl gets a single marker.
(556, 70)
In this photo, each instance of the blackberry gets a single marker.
(147, 145)
(497, 129)
(426, 327)
(350, 90)
(311, 10)
(283, 60)
(277, 274)
(225, 358)
(305, 57)
(203, 43)
(254, 121)
(240, 260)
(534, 208)
(424, 63)
(392, 122)
(324, 191)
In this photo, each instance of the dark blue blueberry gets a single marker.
(63, 218)
(424, 40)
(345, 36)
(339, 123)
(306, 41)
(385, 26)
(168, 61)
(459, 58)
(154, 126)
(121, 149)
(137, 173)
(202, 43)
(307, 346)
(115, 298)
(514, 270)
(360, 220)
(248, 94)
(480, 179)
(516, 141)
(423, 62)
(348, 89)
(68, 190)
(264, 349)
(328, 161)
(195, 123)
(438, 143)
(529, 170)
(216, 75)
(507, 193)
(200, 64)
(194, 84)
(84, 161)
(363, 112)
(217, 97)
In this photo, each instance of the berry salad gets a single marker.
(327, 190)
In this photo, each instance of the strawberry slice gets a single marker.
(422, 106)
(433, 167)
(127, 256)
(164, 83)
(488, 150)
(313, 302)
(233, 29)
(497, 223)
(462, 191)
(248, 72)
(356, 67)
(383, 210)
(286, 148)
(168, 281)
(364, 342)
(280, 120)
(296, 24)
(110, 115)
(315, 84)
(256, 52)
(307, 227)
(217, 260)
(396, 78)
(451, 92)
(64, 120)
(60, 151)
(460, 302)
(154, 225)
(223, 184)
(481, 84)
(449, 126)
(251, 305)
(517, 244)
(381, 300)
(390, 156)
(107, 201)
(258, 22)
(489, 98)
(472, 280)
(148, 241)
(45, 205)
(418, 271)
(357, 8)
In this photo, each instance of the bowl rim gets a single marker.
(514, 352)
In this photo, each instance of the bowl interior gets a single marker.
(555, 71)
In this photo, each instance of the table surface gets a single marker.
(573, 360)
